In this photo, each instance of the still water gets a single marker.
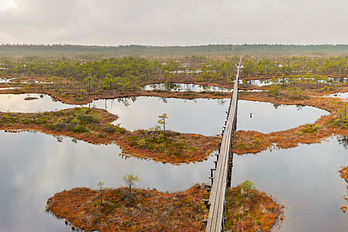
(305, 179)
(342, 96)
(34, 166)
(179, 87)
(5, 80)
(267, 82)
(202, 116)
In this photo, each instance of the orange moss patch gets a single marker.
(93, 126)
(344, 173)
(254, 211)
(150, 210)
(178, 148)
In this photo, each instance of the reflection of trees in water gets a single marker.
(164, 100)
(276, 105)
(124, 101)
(340, 80)
(92, 105)
(343, 140)
(283, 81)
(59, 138)
(221, 102)
(264, 81)
(299, 107)
(54, 99)
(170, 86)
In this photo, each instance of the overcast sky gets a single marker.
(173, 22)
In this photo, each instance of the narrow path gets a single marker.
(223, 168)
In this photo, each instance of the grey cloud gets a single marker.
(180, 22)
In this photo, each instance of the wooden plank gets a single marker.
(218, 191)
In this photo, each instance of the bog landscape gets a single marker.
(141, 138)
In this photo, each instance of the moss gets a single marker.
(248, 209)
(150, 210)
(341, 119)
(93, 125)
(310, 128)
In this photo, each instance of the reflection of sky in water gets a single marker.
(34, 166)
(305, 179)
(178, 87)
(266, 82)
(5, 80)
(203, 116)
(6, 88)
(343, 96)
(16, 103)
(206, 116)
(40, 167)
(268, 117)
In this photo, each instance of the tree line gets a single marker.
(212, 49)
(130, 73)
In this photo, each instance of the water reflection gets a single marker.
(202, 116)
(268, 117)
(305, 179)
(343, 140)
(16, 103)
(206, 116)
(5, 80)
(343, 96)
(7, 88)
(283, 81)
(34, 166)
(178, 87)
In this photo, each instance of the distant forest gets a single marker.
(139, 50)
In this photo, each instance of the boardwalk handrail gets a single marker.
(215, 222)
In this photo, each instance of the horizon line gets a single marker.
(166, 46)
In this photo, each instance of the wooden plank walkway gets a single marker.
(221, 180)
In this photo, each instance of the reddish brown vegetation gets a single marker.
(245, 141)
(150, 210)
(254, 142)
(99, 131)
(254, 211)
(30, 98)
(344, 173)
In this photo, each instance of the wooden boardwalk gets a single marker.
(223, 167)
